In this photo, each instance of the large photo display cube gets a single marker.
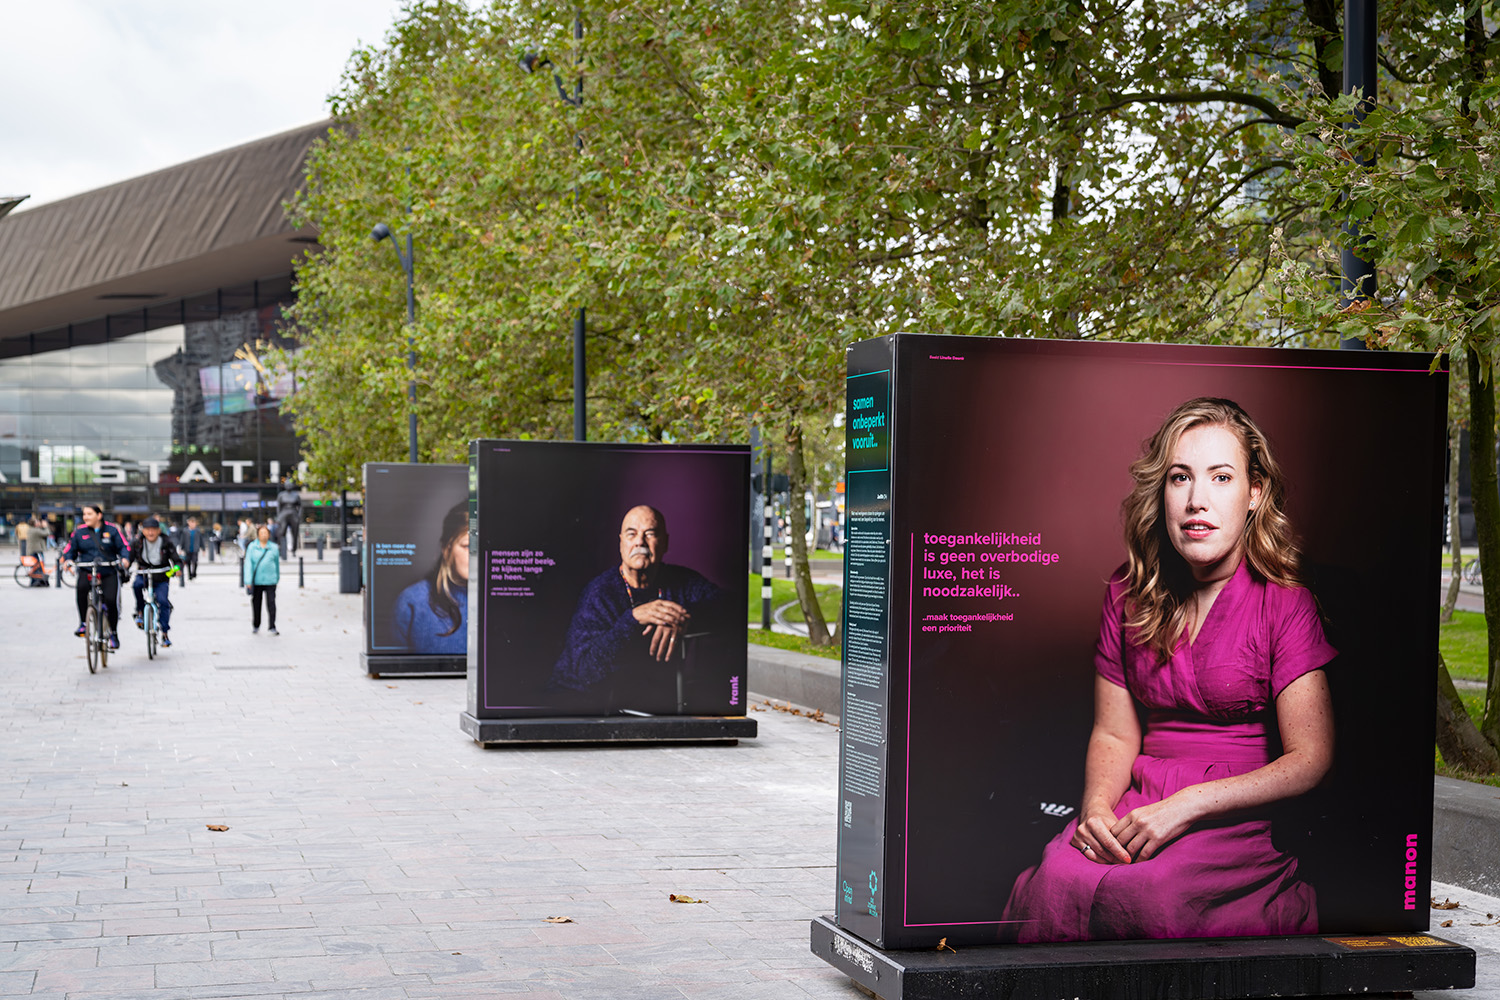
(1033, 588)
(607, 579)
(416, 556)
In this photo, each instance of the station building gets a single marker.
(138, 325)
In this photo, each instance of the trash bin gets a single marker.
(349, 571)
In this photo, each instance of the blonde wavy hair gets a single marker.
(1158, 580)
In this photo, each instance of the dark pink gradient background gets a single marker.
(1027, 436)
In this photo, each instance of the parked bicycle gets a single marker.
(96, 634)
(1471, 572)
(35, 568)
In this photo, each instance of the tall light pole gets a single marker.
(380, 232)
(1359, 75)
(531, 62)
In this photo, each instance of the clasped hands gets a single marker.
(1137, 835)
(663, 621)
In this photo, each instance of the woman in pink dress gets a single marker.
(1210, 705)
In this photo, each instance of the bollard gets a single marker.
(301, 576)
(765, 574)
(322, 543)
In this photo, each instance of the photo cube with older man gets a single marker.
(607, 579)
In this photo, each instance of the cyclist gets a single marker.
(154, 551)
(98, 540)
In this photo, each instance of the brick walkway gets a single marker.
(373, 851)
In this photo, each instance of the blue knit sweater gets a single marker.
(420, 629)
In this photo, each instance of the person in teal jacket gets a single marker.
(260, 573)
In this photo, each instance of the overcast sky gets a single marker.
(97, 91)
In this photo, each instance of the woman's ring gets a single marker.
(1086, 848)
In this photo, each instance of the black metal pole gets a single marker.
(1360, 24)
(343, 519)
(580, 379)
(580, 323)
(411, 346)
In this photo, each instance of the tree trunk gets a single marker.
(796, 471)
(1462, 746)
(1455, 536)
(1482, 481)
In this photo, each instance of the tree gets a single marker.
(760, 185)
(1016, 167)
(1429, 212)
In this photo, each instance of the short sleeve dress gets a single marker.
(1209, 713)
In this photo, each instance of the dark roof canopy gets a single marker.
(178, 232)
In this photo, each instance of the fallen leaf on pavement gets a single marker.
(217, 827)
(684, 899)
(1446, 904)
(943, 946)
(557, 920)
(1446, 923)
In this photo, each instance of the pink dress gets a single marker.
(1209, 713)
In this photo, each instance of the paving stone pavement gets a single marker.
(373, 851)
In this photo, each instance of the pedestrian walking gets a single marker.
(194, 540)
(262, 571)
(23, 530)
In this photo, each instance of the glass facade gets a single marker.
(174, 407)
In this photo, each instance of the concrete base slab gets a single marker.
(1137, 970)
(609, 729)
(413, 666)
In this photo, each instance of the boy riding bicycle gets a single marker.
(98, 540)
(155, 555)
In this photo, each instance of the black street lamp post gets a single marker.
(380, 232)
(531, 62)
(1359, 75)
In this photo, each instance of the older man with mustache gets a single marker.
(630, 626)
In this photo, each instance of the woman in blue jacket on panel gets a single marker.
(431, 616)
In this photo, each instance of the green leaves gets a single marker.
(761, 184)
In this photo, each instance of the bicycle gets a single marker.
(150, 613)
(25, 568)
(1472, 573)
(96, 621)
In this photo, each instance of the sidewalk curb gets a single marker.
(1466, 834)
(807, 681)
(1465, 816)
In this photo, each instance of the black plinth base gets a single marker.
(1136, 970)
(609, 729)
(414, 666)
